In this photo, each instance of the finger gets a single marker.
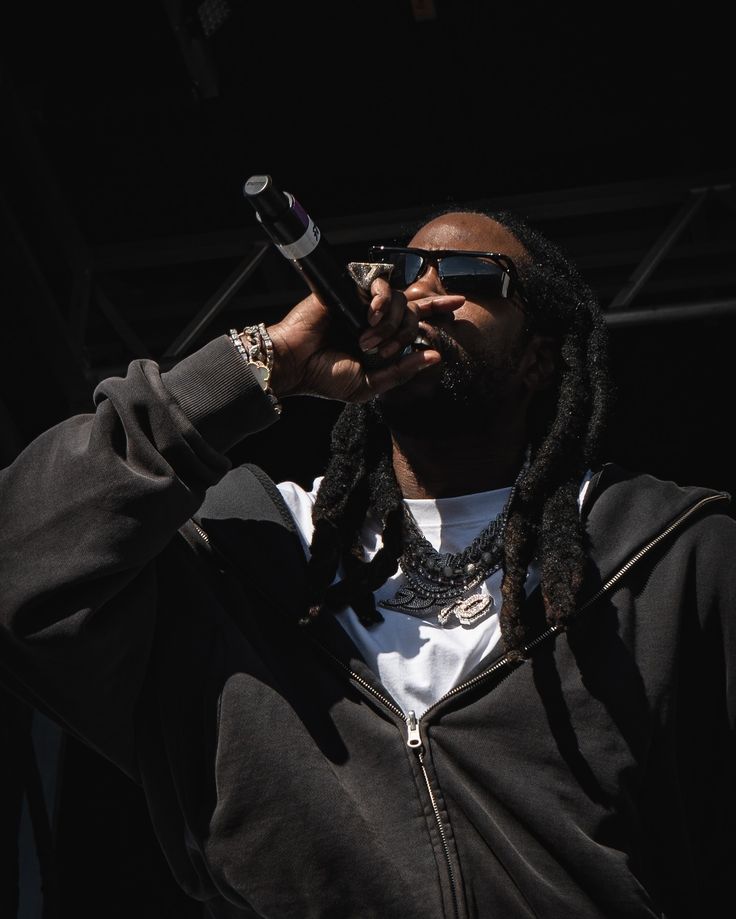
(381, 294)
(408, 329)
(426, 306)
(391, 312)
(403, 370)
(404, 335)
(393, 308)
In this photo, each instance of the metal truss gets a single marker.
(659, 251)
(662, 251)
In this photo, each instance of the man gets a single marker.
(470, 674)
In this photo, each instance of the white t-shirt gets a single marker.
(418, 660)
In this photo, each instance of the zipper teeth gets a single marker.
(440, 827)
(201, 532)
(364, 683)
(499, 665)
(650, 545)
(502, 662)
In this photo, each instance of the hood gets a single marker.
(624, 511)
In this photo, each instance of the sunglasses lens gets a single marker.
(460, 274)
(464, 274)
(407, 267)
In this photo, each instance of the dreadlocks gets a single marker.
(543, 523)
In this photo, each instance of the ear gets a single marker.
(541, 362)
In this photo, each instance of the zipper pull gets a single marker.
(414, 739)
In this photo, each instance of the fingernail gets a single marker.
(430, 359)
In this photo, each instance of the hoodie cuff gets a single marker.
(219, 394)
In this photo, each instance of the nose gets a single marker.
(426, 285)
(430, 284)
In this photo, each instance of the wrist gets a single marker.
(254, 345)
(284, 376)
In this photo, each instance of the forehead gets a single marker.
(467, 231)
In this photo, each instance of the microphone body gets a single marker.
(301, 242)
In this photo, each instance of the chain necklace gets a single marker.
(448, 584)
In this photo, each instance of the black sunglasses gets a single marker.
(462, 271)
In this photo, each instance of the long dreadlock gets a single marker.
(543, 523)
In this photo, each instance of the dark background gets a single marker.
(128, 129)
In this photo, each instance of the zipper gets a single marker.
(414, 738)
(414, 742)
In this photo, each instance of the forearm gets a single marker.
(86, 507)
(109, 489)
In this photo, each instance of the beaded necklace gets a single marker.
(446, 584)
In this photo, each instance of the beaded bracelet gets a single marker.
(258, 355)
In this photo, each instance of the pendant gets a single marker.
(467, 610)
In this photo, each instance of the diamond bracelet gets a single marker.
(258, 354)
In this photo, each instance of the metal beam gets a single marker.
(681, 312)
(216, 303)
(658, 251)
(61, 353)
(565, 204)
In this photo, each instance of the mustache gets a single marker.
(451, 352)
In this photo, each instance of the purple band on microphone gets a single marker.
(306, 243)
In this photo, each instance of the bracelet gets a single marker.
(258, 355)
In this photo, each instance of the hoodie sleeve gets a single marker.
(85, 509)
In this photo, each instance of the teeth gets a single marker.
(420, 343)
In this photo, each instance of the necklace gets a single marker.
(448, 584)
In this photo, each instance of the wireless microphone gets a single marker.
(301, 242)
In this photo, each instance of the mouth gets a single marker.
(430, 336)
(421, 343)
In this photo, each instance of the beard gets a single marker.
(465, 391)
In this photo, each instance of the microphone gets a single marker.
(300, 241)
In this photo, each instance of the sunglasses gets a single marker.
(486, 274)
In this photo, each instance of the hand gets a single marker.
(306, 361)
